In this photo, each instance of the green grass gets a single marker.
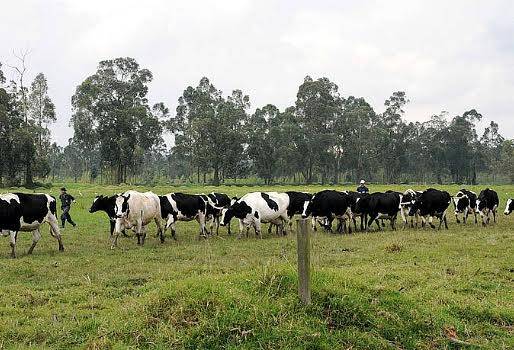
(407, 289)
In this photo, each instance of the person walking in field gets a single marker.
(66, 200)
(362, 187)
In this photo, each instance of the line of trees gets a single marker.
(323, 137)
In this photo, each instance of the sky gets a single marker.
(446, 55)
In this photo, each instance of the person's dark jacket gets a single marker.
(66, 200)
(362, 189)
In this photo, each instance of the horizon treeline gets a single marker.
(323, 137)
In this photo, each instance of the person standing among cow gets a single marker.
(66, 200)
(362, 189)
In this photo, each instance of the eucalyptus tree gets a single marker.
(208, 128)
(318, 105)
(111, 112)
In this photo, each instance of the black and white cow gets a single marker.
(487, 204)
(27, 212)
(256, 208)
(216, 202)
(380, 205)
(432, 203)
(465, 202)
(183, 207)
(328, 205)
(135, 210)
(407, 198)
(509, 207)
(107, 205)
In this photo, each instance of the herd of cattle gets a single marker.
(135, 210)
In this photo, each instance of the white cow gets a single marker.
(258, 207)
(134, 210)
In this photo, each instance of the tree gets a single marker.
(208, 128)
(266, 141)
(41, 108)
(318, 105)
(111, 107)
(389, 129)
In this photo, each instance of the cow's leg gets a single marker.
(111, 228)
(494, 215)
(445, 220)
(143, 235)
(257, 225)
(139, 229)
(173, 231)
(372, 218)
(12, 237)
(378, 224)
(440, 217)
(114, 239)
(457, 217)
(431, 218)
(466, 213)
(201, 221)
(160, 231)
(36, 236)
(54, 230)
(241, 228)
(217, 218)
(404, 217)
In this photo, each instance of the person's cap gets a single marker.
(63, 189)
(363, 182)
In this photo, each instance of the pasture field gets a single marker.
(404, 289)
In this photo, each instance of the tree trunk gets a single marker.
(216, 180)
(29, 180)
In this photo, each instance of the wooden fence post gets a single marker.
(304, 252)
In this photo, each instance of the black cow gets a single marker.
(106, 204)
(487, 203)
(183, 207)
(465, 201)
(380, 205)
(330, 204)
(216, 202)
(432, 203)
(27, 212)
(509, 207)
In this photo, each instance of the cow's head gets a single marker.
(482, 206)
(415, 206)
(121, 208)
(461, 202)
(509, 207)
(97, 204)
(239, 210)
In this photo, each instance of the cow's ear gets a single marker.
(127, 198)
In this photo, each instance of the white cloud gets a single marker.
(446, 55)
